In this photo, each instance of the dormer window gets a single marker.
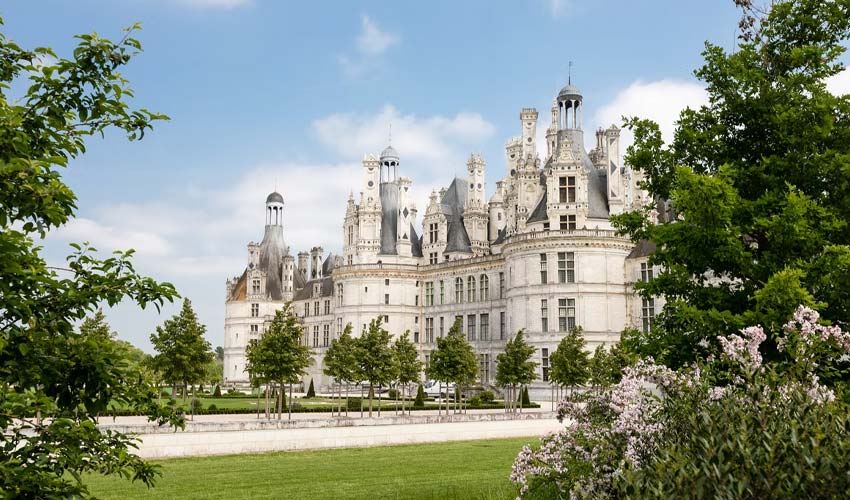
(255, 287)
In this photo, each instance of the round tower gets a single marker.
(274, 209)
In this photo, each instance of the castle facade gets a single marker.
(539, 254)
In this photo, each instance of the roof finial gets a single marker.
(570, 73)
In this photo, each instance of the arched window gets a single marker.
(470, 289)
(459, 290)
(485, 287)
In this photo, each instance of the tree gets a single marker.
(569, 363)
(377, 362)
(604, 367)
(453, 361)
(182, 351)
(47, 367)
(407, 361)
(514, 367)
(311, 391)
(280, 355)
(419, 402)
(342, 363)
(219, 353)
(757, 181)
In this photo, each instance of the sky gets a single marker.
(268, 94)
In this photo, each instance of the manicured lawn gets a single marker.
(459, 470)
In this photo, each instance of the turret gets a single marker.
(316, 254)
(528, 117)
(303, 264)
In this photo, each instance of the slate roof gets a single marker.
(307, 291)
(539, 214)
(644, 248)
(452, 205)
(389, 219)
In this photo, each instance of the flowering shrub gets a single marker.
(660, 433)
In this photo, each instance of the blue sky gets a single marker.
(264, 93)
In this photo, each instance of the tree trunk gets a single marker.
(521, 397)
(339, 402)
(380, 388)
(289, 405)
(258, 401)
(361, 400)
(192, 403)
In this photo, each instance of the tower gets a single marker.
(369, 213)
(316, 254)
(616, 184)
(274, 209)
(475, 212)
(528, 117)
(405, 218)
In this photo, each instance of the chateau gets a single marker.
(539, 254)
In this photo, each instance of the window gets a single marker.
(316, 308)
(442, 325)
(459, 321)
(566, 267)
(429, 293)
(429, 330)
(442, 292)
(350, 235)
(387, 282)
(255, 310)
(567, 189)
(543, 269)
(566, 314)
(386, 298)
(544, 315)
(339, 294)
(459, 290)
(255, 287)
(544, 363)
(306, 309)
(338, 327)
(433, 258)
(648, 314)
(416, 337)
(484, 327)
(432, 232)
(416, 301)
(255, 329)
(646, 271)
(502, 325)
(501, 285)
(327, 307)
(386, 320)
(326, 335)
(484, 368)
(316, 336)
(485, 287)
(568, 223)
(470, 327)
(470, 289)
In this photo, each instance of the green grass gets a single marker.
(457, 470)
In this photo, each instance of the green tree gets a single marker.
(47, 367)
(514, 367)
(604, 367)
(342, 362)
(569, 363)
(280, 355)
(453, 361)
(757, 181)
(182, 351)
(377, 362)
(408, 363)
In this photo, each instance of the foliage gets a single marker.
(487, 396)
(279, 355)
(453, 361)
(407, 359)
(182, 351)
(47, 368)
(514, 367)
(605, 367)
(730, 427)
(342, 358)
(311, 391)
(393, 394)
(757, 180)
(569, 364)
(523, 398)
(217, 391)
(419, 402)
(377, 359)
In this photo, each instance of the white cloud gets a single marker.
(106, 237)
(372, 40)
(369, 48)
(660, 101)
(840, 83)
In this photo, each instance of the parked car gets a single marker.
(436, 389)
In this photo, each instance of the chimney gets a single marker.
(303, 262)
(316, 258)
